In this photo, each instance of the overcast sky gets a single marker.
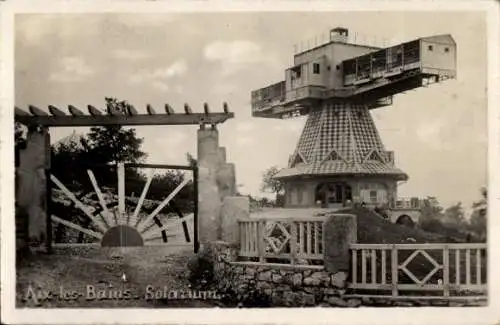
(439, 134)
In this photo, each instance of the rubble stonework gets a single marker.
(290, 286)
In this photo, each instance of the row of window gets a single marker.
(431, 48)
(297, 71)
(297, 193)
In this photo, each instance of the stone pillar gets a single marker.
(233, 208)
(222, 155)
(226, 180)
(339, 231)
(209, 200)
(31, 194)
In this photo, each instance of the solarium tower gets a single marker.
(340, 156)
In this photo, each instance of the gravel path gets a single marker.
(83, 274)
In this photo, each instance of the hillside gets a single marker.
(372, 229)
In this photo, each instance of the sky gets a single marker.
(439, 133)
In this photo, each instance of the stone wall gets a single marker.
(281, 285)
(299, 286)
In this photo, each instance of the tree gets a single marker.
(454, 217)
(478, 221)
(113, 144)
(191, 160)
(270, 183)
(431, 216)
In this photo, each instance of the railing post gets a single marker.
(261, 245)
(293, 241)
(446, 271)
(394, 269)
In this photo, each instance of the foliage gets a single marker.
(19, 134)
(454, 217)
(269, 183)
(478, 221)
(106, 145)
(113, 144)
(201, 271)
(191, 160)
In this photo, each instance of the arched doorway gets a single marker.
(405, 220)
(333, 195)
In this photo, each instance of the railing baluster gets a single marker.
(301, 237)
(242, 235)
(245, 248)
(254, 237)
(261, 244)
(316, 238)
(394, 270)
(446, 271)
(247, 237)
(467, 266)
(309, 241)
(354, 266)
(293, 240)
(256, 224)
(363, 266)
(384, 267)
(478, 266)
(374, 266)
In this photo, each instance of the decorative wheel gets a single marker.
(118, 221)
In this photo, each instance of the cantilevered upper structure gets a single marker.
(340, 156)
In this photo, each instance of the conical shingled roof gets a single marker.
(341, 139)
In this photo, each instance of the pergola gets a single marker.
(36, 157)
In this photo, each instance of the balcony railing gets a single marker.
(409, 203)
(268, 96)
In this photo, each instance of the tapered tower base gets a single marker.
(340, 159)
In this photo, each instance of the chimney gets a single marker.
(339, 34)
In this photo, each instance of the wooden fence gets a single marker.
(417, 271)
(447, 270)
(279, 239)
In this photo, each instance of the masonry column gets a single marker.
(226, 178)
(32, 191)
(209, 199)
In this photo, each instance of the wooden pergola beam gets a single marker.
(125, 120)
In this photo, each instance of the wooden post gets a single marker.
(394, 270)
(121, 189)
(48, 195)
(261, 245)
(384, 267)
(363, 266)
(195, 210)
(293, 241)
(446, 271)
(354, 266)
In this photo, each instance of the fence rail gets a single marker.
(291, 240)
(445, 269)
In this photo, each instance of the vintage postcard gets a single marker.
(236, 162)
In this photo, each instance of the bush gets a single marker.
(252, 297)
(201, 271)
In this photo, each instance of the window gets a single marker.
(446, 50)
(430, 48)
(316, 68)
(296, 72)
(373, 196)
(300, 194)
